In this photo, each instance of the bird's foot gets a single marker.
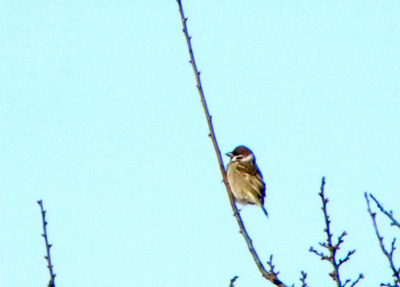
(237, 212)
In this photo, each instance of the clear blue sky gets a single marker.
(100, 118)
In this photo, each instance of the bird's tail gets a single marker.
(265, 211)
(260, 204)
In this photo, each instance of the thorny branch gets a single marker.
(388, 254)
(331, 247)
(48, 246)
(271, 276)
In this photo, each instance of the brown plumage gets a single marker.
(245, 178)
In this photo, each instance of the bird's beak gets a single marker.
(229, 154)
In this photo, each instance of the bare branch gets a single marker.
(320, 254)
(389, 255)
(269, 276)
(233, 281)
(48, 246)
(274, 274)
(332, 248)
(351, 252)
(361, 276)
(303, 279)
(387, 213)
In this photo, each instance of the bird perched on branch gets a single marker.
(245, 178)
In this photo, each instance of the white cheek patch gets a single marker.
(250, 157)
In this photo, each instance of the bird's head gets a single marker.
(241, 153)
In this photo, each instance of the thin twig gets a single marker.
(303, 279)
(387, 213)
(233, 281)
(389, 255)
(274, 273)
(48, 246)
(361, 276)
(333, 248)
(269, 276)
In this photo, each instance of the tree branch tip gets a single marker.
(233, 280)
(264, 272)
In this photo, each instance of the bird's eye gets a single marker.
(239, 157)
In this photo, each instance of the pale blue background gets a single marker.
(100, 118)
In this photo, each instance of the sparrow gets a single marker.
(245, 178)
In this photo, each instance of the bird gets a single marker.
(245, 178)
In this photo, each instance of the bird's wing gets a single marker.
(251, 173)
(249, 168)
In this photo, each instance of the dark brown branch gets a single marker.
(331, 247)
(48, 246)
(269, 276)
(233, 281)
(387, 213)
(389, 255)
